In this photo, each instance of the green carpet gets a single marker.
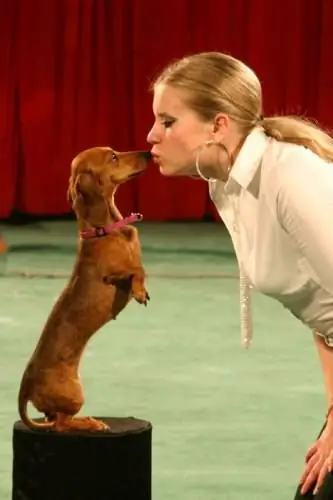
(228, 424)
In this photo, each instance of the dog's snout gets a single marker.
(146, 155)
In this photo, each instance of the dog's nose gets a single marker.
(146, 155)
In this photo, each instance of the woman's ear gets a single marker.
(220, 126)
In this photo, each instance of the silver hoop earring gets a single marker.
(197, 158)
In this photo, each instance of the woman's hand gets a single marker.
(319, 461)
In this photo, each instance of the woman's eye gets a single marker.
(168, 123)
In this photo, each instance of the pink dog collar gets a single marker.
(98, 232)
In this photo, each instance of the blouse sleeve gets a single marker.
(305, 211)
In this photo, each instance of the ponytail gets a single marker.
(300, 131)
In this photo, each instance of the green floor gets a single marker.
(228, 424)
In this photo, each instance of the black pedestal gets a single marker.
(111, 465)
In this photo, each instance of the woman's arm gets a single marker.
(326, 361)
(319, 457)
(304, 205)
(305, 211)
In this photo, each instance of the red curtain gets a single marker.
(75, 73)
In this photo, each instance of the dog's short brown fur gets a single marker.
(3, 245)
(107, 273)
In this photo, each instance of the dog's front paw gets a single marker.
(142, 297)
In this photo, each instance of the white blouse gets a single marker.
(278, 208)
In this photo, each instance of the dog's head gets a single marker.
(97, 172)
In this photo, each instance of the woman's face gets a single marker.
(176, 133)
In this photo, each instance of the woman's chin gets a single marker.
(165, 170)
(169, 171)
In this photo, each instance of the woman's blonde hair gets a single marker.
(214, 82)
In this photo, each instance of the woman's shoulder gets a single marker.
(291, 169)
(288, 159)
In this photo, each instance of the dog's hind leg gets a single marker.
(50, 417)
(67, 423)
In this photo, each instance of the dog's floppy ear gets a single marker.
(69, 194)
(70, 197)
(82, 185)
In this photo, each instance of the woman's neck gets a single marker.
(223, 166)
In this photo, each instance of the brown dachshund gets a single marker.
(107, 273)
(3, 254)
(3, 245)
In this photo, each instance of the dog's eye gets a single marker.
(114, 157)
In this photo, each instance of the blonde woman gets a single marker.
(271, 180)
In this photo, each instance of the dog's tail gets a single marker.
(23, 399)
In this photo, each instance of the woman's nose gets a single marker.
(152, 136)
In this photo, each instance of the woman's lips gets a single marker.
(156, 158)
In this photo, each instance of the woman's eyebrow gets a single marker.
(164, 115)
